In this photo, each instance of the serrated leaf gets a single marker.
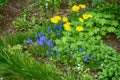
(114, 23)
(89, 24)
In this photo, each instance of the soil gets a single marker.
(111, 40)
(9, 13)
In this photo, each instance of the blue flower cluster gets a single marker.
(56, 29)
(86, 57)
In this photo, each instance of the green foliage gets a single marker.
(18, 65)
(3, 2)
(118, 32)
(1, 45)
(114, 10)
(16, 38)
(97, 2)
(1, 16)
(23, 24)
(54, 4)
(111, 70)
(84, 52)
(48, 5)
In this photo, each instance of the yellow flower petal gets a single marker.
(64, 19)
(66, 24)
(58, 17)
(85, 16)
(67, 28)
(82, 6)
(81, 19)
(75, 8)
(79, 28)
(54, 20)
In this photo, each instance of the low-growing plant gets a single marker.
(76, 40)
(18, 65)
(79, 42)
(3, 2)
(23, 24)
(112, 9)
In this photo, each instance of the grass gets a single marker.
(15, 64)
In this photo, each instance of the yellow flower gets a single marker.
(67, 24)
(90, 15)
(65, 19)
(58, 17)
(79, 28)
(81, 19)
(67, 28)
(75, 8)
(54, 20)
(86, 16)
(82, 6)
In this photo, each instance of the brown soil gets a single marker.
(9, 13)
(112, 41)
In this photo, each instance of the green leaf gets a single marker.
(114, 23)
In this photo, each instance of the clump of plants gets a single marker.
(78, 41)
(23, 24)
(3, 2)
(75, 41)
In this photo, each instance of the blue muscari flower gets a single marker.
(37, 37)
(56, 31)
(48, 30)
(55, 26)
(30, 40)
(81, 49)
(24, 44)
(43, 39)
(58, 34)
(71, 55)
(41, 34)
(86, 57)
(49, 43)
(47, 53)
(40, 43)
(61, 26)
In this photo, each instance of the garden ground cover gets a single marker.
(71, 44)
